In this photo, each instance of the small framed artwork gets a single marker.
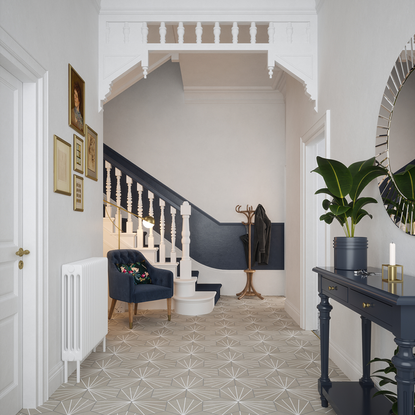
(91, 153)
(61, 166)
(78, 154)
(76, 105)
(78, 193)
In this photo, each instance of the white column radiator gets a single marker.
(84, 309)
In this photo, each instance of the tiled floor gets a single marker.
(247, 357)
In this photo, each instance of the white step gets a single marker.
(184, 287)
(201, 302)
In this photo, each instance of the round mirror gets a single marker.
(395, 141)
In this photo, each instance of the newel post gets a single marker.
(129, 181)
(118, 215)
(108, 210)
(140, 232)
(150, 239)
(162, 247)
(185, 263)
(173, 235)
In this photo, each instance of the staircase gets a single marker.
(189, 298)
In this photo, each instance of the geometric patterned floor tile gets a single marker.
(247, 357)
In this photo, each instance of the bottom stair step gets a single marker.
(198, 304)
(210, 287)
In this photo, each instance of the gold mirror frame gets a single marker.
(399, 208)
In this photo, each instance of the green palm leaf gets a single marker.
(406, 182)
(336, 176)
(363, 178)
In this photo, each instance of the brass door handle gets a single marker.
(20, 252)
(367, 305)
(332, 287)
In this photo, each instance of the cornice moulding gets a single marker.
(232, 95)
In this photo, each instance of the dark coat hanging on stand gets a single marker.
(262, 236)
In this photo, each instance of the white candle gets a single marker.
(392, 254)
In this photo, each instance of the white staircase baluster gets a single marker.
(216, 32)
(173, 256)
(108, 210)
(140, 233)
(151, 213)
(185, 263)
(271, 33)
(118, 215)
(162, 31)
(235, 32)
(253, 31)
(144, 32)
(129, 205)
(199, 32)
(162, 249)
(180, 32)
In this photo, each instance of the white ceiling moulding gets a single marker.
(204, 8)
(290, 42)
(229, 95)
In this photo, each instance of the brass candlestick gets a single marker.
(392, 280)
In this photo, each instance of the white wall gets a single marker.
(358, 44)
(216, 155)
(56, 33)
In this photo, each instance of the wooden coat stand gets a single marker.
(249, 288)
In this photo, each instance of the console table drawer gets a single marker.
(334, 289)
(369, 305)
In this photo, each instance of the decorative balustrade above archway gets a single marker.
(130, 48)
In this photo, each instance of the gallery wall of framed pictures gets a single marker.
(84, 153)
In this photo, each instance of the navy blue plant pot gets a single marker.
(350, 253)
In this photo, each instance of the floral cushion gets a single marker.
(139, 271)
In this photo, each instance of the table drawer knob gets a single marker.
(367, 305)
(332, 287)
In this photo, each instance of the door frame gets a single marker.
(309, 238)
(34, 328)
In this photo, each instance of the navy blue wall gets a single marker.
(212, 243)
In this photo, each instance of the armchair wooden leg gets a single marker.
(135, 308)
(169, 309)
(130, 314)
(112, 308)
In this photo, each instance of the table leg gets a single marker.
(324, 308)
(366, 380)
(404, 362)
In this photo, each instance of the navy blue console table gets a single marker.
(391, 306)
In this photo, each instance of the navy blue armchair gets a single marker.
(123, 288)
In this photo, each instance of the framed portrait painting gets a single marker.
(78, 154)
(78, 193)
(91, 153)
(76, 105)
(61, 166)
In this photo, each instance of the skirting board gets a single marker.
(292, 311)
(265, 282)
(340, 357)
(56, 377)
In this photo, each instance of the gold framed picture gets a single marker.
(61, 166)
(78, 193)
(76, 105)
(91, 153)
(78, 154)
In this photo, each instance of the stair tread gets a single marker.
(204, 295)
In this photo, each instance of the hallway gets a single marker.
(246, 357)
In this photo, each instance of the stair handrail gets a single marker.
(148, 219)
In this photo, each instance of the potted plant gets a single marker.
(385, 380)
(344, 187)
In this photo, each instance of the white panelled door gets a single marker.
(10, 242)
